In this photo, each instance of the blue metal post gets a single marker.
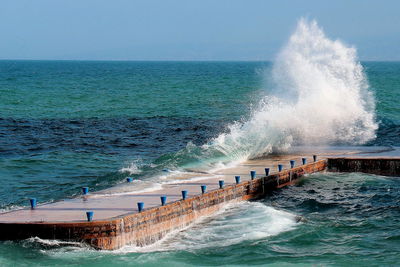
(253, 175)
(292, 162)
(33, 203)
(184, 194)
(85, 190)
(89, 215)
(140, 206)
(237, 179)
(203, 189)
(163, 200)
(129, 179)
(304, 160)
(315, 158)
(221, 184)
(280, 167)
(266, 171)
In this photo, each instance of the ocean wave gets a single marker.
(234, 224)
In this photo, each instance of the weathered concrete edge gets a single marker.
(379, 166)
(153, 224)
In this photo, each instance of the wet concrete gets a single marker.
(116, 218)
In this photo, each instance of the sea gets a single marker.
(69, 124)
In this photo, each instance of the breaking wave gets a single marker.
(317, 93)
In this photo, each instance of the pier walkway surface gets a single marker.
(109, 207)
(106, 206)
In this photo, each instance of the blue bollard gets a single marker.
(85, 190)
(266, 171)
(221, 184)
(253, 175)
(237, 179)
(129, 179)
(140, 206)
(292, 162)
(315, 158)
(280, 167)
(33, 203)
(163, 200)
(304, 160)
(184, 194)
(203, 189)
(89, 215)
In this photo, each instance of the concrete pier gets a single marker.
(380, 166)
(117, 222)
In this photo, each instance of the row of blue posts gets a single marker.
(89, 214)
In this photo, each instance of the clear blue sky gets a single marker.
(188, 30)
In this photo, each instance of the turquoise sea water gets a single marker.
(67, 124)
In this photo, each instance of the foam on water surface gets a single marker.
(235, 223)
(317, 93)
(246, 221)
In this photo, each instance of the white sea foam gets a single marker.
(235, 223)
(132, 168)
(247, 221)
(51, 243)
(11, 208)
(136, 186)
(317, 93)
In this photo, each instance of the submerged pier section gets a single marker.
(147, 225)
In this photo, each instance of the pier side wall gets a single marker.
(379, 166)
(152, 224)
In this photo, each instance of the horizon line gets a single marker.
(175, 60)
